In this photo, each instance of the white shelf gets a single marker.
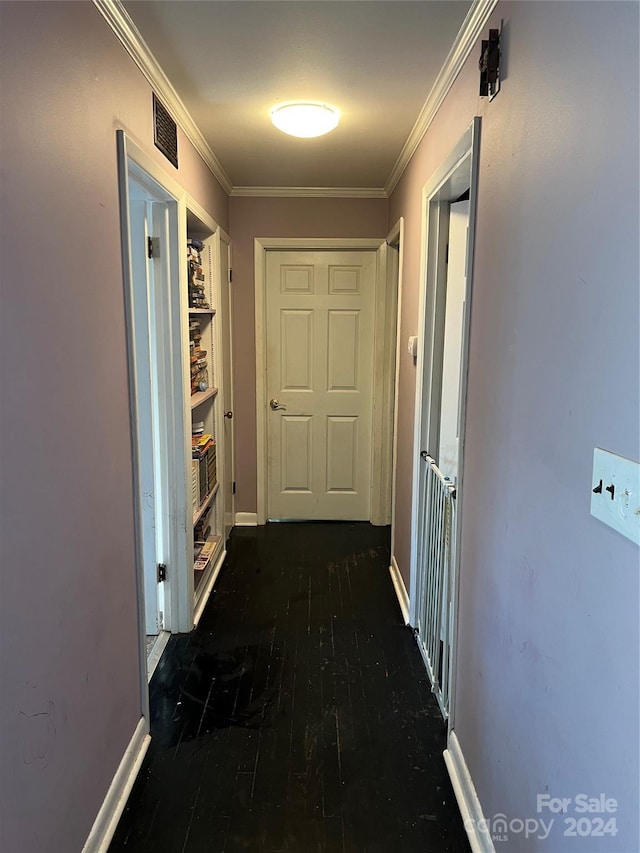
(201, 397)
(206, 503)
(209, 311)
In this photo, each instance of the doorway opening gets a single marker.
(449, 201)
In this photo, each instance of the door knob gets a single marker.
(228, 415)
(275, 405)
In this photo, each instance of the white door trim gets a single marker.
(179, 594)
(387, 335)
(261, 246)
(226, 322)
(129, 153)
(467, 149)
(395, 238)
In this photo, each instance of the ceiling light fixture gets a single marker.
(305, 118)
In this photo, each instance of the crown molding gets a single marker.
(476, 19)
(128, 34)
(309, 192)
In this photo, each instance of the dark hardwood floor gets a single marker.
(298, 716)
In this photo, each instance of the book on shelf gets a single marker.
(203, 479)
(203, 452)
(203, 526)
(201, 534)
(195, 275)
(205, 554)
(195, 483)
(199, 367)
(200, 442)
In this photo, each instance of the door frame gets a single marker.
(226, 321)
(133, 162)
(262, 245)
(435, 227)
(395, 239)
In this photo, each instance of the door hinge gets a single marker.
(233, 488)
(446, 254)
(153, 247)
(162, 572)
(230, 275)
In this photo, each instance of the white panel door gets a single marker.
(320, 332)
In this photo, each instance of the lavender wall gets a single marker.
(277, 217)
(70, 684)
(547, 688)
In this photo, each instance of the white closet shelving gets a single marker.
(203, 374)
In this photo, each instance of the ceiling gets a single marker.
(230, 61)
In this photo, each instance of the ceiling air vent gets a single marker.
(165, 132)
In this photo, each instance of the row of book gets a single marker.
(203, 528)
(203, 546)
(203, 553)
(197, 358)
(204, 475)
(195, 275)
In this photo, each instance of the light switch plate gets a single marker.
(615, 493)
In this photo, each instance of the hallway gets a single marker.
(298, 716)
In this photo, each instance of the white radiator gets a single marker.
(436, 538)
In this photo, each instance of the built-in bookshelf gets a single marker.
(203, 359)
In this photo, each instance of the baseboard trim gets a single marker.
(400, 588)
(106, 822)
(246, 519)
(468, 802)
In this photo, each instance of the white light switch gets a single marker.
(615, 493)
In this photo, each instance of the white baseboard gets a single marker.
(468, 802)
(246, 519)
(400, 588)
(107, 820)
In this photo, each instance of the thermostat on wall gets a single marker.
(412, 347)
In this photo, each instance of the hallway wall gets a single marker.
(547, 688)
(70, 683)
(277, 217)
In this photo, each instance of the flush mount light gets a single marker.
(305, 118)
